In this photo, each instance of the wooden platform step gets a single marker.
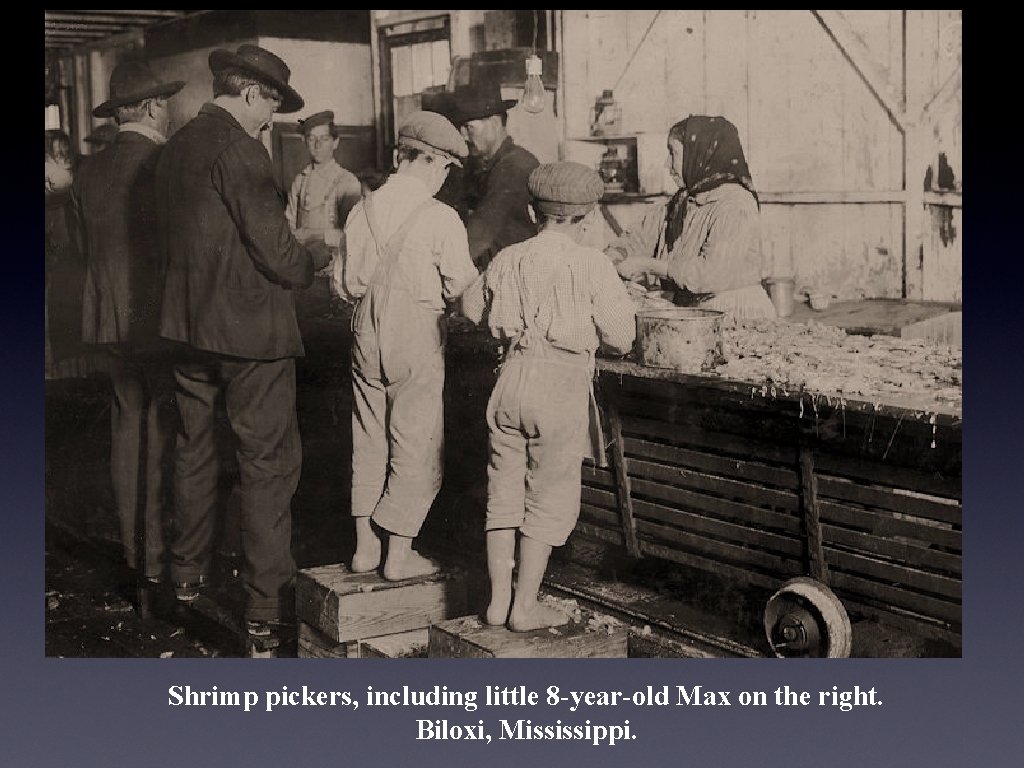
(346, 606)
(586, 635)
(403, 645)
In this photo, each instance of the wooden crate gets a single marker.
(347, 606)
(403, 645)
(314, 644)
(469, 637)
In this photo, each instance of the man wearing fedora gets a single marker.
(497, 193)
(115, 197)
(232, 263)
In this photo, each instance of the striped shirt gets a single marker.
(719, 248)
(435, 258)
(589, 304)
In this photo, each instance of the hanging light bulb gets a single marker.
(533, 95)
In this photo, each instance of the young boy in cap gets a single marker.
(406, 256)
(552, 302)
(323, 193)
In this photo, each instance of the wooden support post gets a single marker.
(622, 484)
(350, 606)
(812, 520)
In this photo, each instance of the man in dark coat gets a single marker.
(114, 196)
(497, 193)
(231, 266)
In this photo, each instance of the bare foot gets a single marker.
(368, 547)
(497, 611)
(412, 565)
(537, 616)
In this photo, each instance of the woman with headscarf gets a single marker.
(706, 242)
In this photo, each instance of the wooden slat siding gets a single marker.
(740, 574)
(713, 418)
(595, 476)
(720, 508)
(935, 607)
(734, 554)
(599, 533)
(599, 498)
(902, 552)
(734, 490)
(883, 524)
(741, 469)
(949, 486)
(679, 434)
(885, 498)
(900, 575)
(622, 482)
(812, 520)
(741, 534)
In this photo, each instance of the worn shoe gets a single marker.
(188, 591)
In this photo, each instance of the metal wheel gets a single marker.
(804, 618)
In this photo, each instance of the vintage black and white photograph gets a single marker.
(503, 333)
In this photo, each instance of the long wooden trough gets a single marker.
(757, 489)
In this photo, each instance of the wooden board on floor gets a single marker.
(403, 645)
(349, 606)
(468, 637)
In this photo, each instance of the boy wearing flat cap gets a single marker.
(323, 193)
(232, 265)
(407, 256)
(552, 302)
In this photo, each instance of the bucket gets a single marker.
(682, 339)
(781, 290)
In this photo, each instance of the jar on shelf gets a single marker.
(612, 171)
(607, 116)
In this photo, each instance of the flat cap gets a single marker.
(567, 189)
(320, 118)
(434, 133)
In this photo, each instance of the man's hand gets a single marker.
(320, 252)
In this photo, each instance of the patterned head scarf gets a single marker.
(712, 156)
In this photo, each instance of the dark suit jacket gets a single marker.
(500, 200)
(114, 198)
(231, 259)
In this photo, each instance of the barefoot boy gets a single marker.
(552, 301)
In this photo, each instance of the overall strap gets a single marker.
(387, 252)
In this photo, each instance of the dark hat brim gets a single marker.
(290, 100)
(107, 108)
(479, 110)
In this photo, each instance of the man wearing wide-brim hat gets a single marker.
(115, 195)
(496, 190)
(407, 257)
(232, 265)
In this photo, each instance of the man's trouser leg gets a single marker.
(196, 470)
(127, 412)
(260, 401)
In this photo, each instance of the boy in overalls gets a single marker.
(406, 256)
(552, 301)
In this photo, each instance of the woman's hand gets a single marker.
(637, 266)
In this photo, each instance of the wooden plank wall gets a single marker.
(825, 156)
